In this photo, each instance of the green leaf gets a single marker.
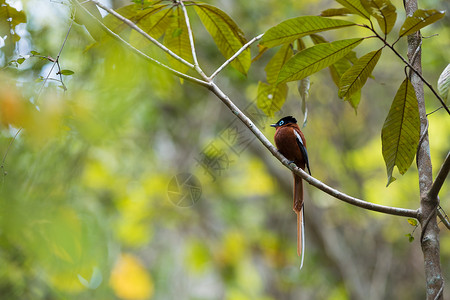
(355, 7)
(401, 131)
(177, 40)
(355, 77)
(228, 37)
(315, 58)
(271, 97)
(412, 221)
(274, 66)
(34, 52)
(383, 11)
(410, 237)
(66, 72)
(332, 12)
(292, 29)
(20, 60)
(420, 19)
(338, 69)
(444, 83)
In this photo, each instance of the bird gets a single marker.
(291, 142)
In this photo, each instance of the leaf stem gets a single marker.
(440, 178)
(191, 41)
(410, 67)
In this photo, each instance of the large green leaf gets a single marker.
(274, 66)
(401, 131)
(292, 29)
(228, 37)
(177, 40)
(383, 11)
(315, 58)
(444, 83)
(355, 7)
(420, 19)
(355, 77)
(271, 97)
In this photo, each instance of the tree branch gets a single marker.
(440, 178)
(143, 55)
(191, 41)
(228, 61)
(142, 32)
(410, 66)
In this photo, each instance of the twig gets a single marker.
(145, 56)
(443, 216)
(191, 41)
(440, 178)
(256, 38)
(142, 32)
(410, 67)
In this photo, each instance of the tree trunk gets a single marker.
(430, 232)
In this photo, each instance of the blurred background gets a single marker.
(132, 184)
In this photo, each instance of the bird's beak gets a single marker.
(273, 125)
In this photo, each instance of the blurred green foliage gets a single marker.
(84, 205)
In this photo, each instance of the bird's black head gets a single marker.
(284, 121)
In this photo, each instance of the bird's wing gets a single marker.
(302, 149)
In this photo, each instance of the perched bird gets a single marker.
(291, 143)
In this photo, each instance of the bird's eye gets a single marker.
(281, 123)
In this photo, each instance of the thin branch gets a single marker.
(355, 201)
(142, 32)
(411, 68)
(313, 181)
(143, 55)
(256, 38)
(440, 178)
(191, 41)
(443, 216)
